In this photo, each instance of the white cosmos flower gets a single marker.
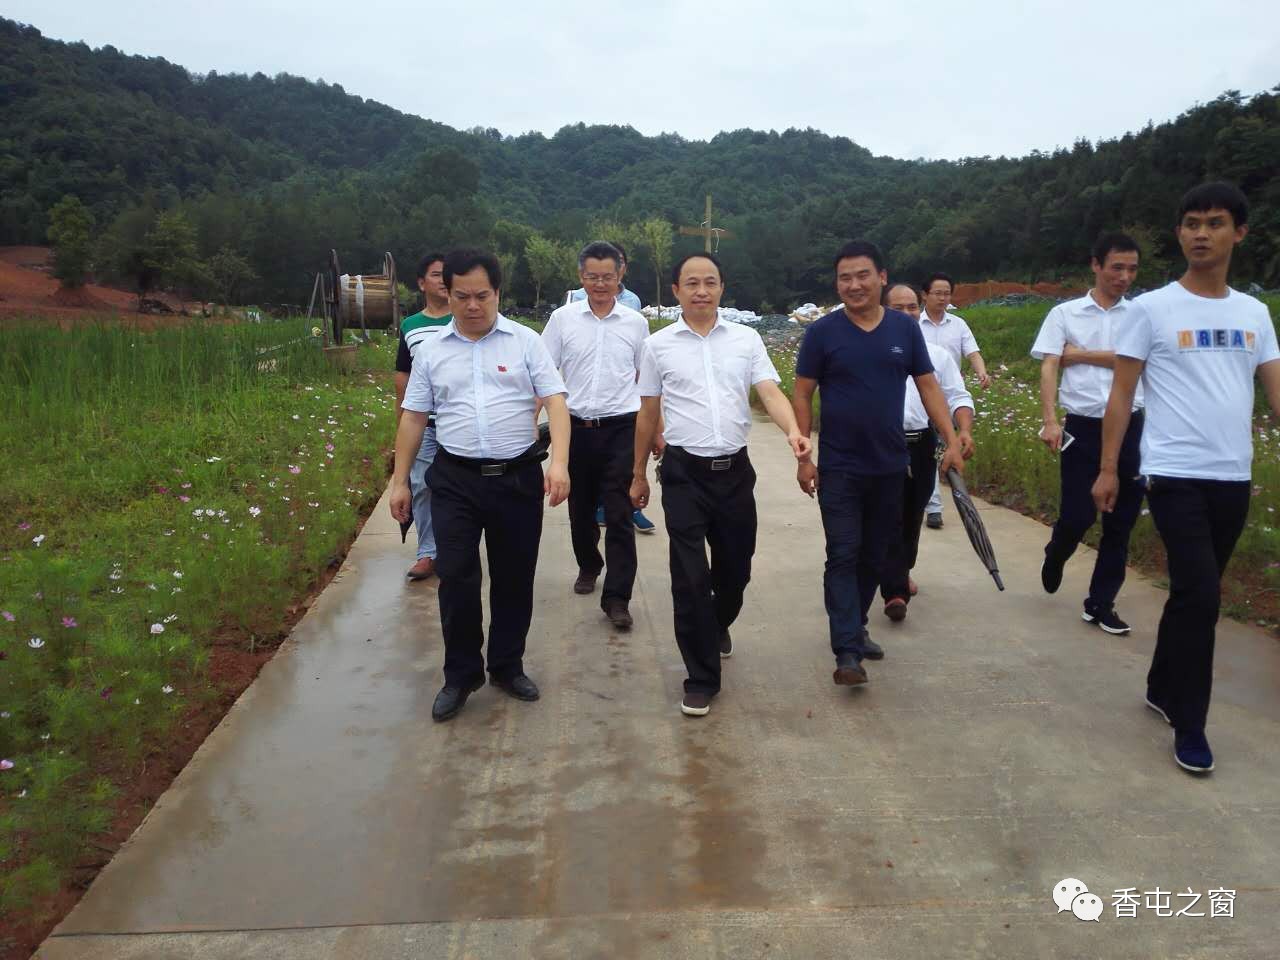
(35, 643)
(157, 628)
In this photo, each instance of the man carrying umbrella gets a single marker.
(860, 357)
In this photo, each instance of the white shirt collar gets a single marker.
(1089, 303)
(587, 311)
(501, 325)
(680, 325)
(925, 318)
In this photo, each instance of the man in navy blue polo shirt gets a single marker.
(859, 358)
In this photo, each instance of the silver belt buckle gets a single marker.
(492, 469)
(724, 463)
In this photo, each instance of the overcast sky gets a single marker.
(913, 78)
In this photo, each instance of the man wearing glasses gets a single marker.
(597, 344)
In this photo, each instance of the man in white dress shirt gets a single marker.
(1079, 337)
(596, 343)
(896, 586)
(483, 379)
(949, 331)
(1197, 345)
(696, 375)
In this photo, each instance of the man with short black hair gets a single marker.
(415, 331)
(1080, 337)
(696, 376)
(483, 379)
(949, 331)
(597, 343)
(1196, 344)
(859, 358)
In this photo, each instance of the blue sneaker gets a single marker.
(600, 516)
(643, 523)
(1191, 751)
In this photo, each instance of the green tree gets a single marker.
(71, 233)
(170, 251)
(655, 235)
(230, 273)
(548, 262)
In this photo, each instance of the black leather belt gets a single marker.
(496, 468)
(602, 421)
(715, 464)
(915, 436)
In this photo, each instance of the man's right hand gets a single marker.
(807, 477)
(640, 492)
(401, 501)
(1051, 434)
(1105, 490)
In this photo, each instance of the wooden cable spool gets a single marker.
(364, 301)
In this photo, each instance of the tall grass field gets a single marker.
(160, 490)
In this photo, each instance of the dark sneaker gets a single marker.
(451, 699)
(519, 686)
(1106, 619)
(870, 649)
(895, 608)
(1051, 573)
(1158, 709)
(618, 614)
(726, 646)
(1191, 751)
(695, 703)
(586, 582)
(849, 671)
(934, 521)
(600, 516)
(642, 523)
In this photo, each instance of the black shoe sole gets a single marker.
(849, 676)
(462, 702)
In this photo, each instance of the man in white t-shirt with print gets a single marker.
(1079, 337)
(1196, 344)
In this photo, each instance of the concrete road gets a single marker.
(1000, 747)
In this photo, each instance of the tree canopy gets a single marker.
(277, 170)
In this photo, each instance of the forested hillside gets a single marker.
(269, 173)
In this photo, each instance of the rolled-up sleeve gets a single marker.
(553, 340)
(419, 396)
(968, 342)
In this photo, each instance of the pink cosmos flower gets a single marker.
(7, 615)
(294, 469)
(69, 623)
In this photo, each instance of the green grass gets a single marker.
(160, 489)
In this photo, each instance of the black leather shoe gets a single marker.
(849, 671)
(450, 700)
(726, 645)
(519, 686)
(618, 614)
(870, 649)
(586, 582)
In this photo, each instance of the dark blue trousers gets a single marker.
(860, 516)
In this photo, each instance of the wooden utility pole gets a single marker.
(706, 230)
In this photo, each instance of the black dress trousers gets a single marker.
(601, 460)
(708, 502)
(917, 488)
(507, 509)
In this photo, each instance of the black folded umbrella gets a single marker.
(543, 443)
(973, 525)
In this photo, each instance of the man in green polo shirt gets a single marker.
(416, 331)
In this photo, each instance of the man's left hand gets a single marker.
(966, 443)
(556, 484)
(659, 446)
(952, 457)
